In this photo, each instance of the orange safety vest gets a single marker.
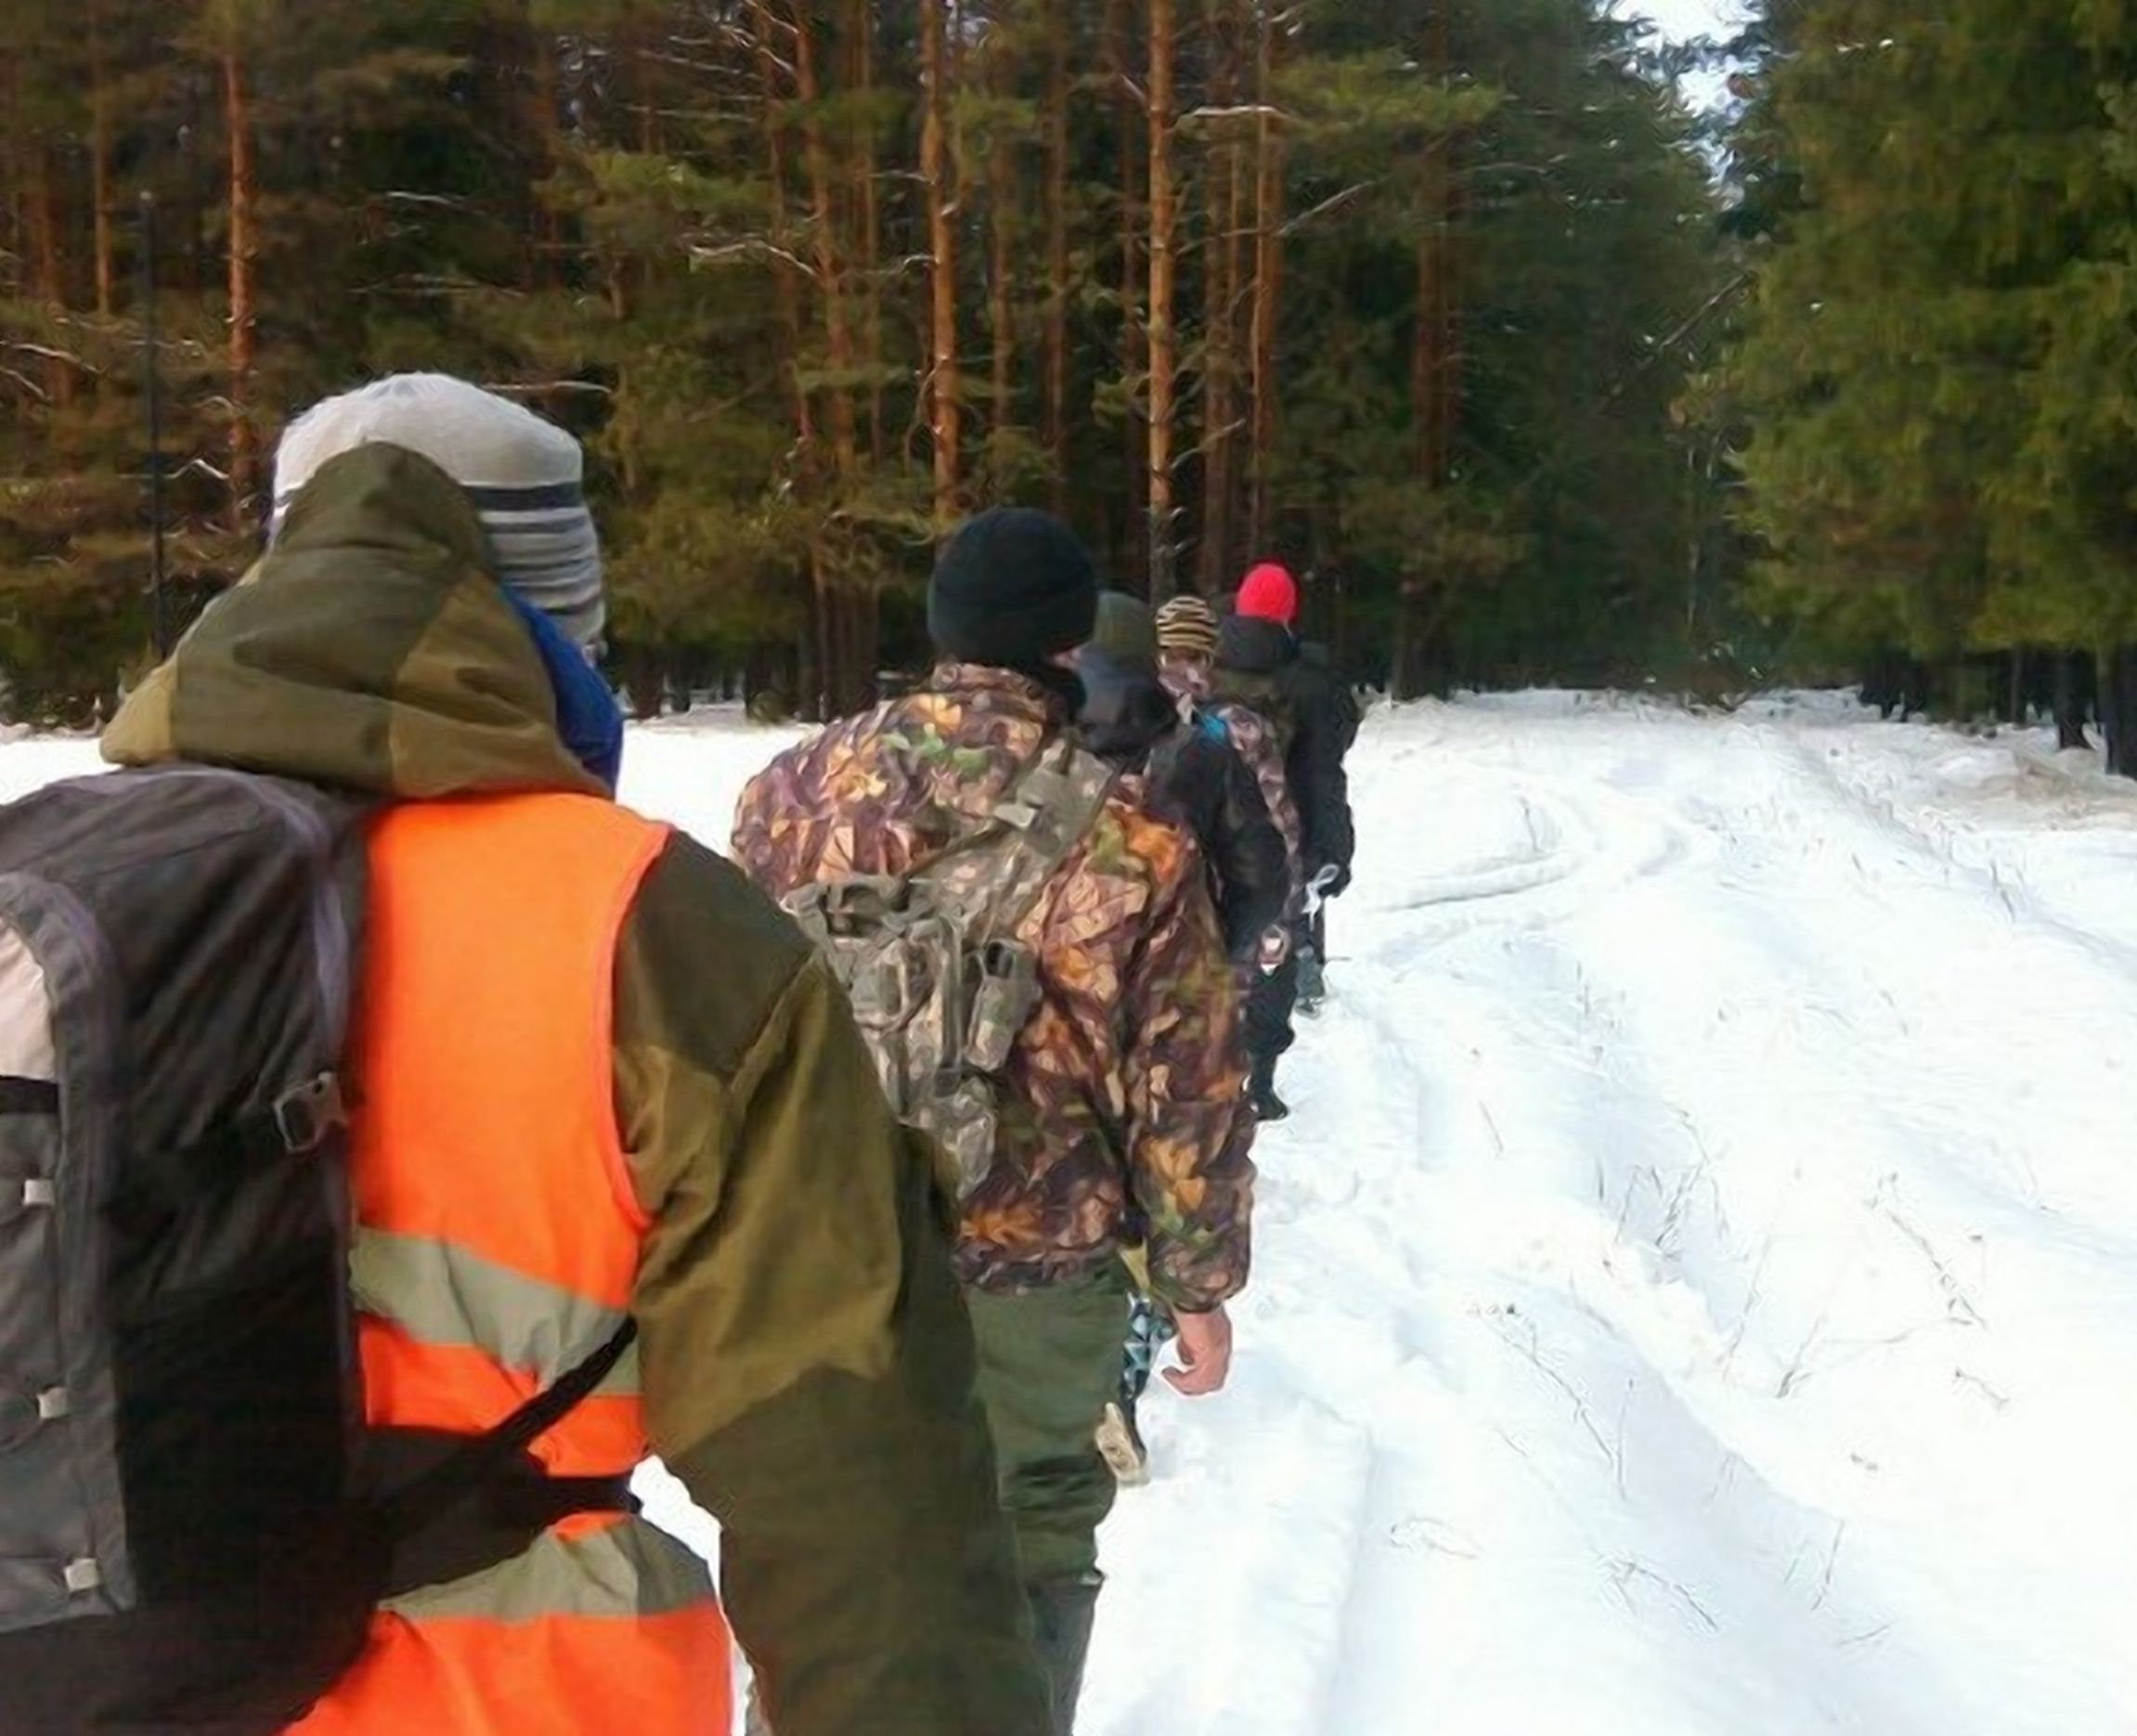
(496, 1244)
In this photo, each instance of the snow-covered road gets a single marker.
(1697, 1292)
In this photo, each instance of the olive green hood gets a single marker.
(370, 649)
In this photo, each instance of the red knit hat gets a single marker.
(1269, 593)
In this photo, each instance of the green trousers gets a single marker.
(1049, 1361)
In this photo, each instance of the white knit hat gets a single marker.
(524, 476)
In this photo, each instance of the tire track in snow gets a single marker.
(1983, 869)
(1616, 1219)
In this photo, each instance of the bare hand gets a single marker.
(1205, 1346)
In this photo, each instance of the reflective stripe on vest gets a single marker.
(498, 1235)
(497, 1242)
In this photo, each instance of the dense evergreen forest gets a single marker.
(1454, 305)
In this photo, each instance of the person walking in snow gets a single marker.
(602, 1080)
(1191, 772)
(1118, 1093)
(1187, 636)
(1261, 670)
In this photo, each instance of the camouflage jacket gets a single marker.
(1251, 737)
(1121, 1121)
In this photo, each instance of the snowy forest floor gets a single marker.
(1696, 1293)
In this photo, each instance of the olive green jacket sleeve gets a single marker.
(808, 1364)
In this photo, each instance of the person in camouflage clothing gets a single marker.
(1121, 1116)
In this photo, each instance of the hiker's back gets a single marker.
(497, 1242)
(878, 796)
(1251, 722)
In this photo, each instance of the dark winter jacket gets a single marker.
(1314, 655)
(1195, 778)
(1259, 666)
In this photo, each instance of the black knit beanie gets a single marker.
(1012, 588)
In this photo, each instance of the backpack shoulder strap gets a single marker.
(997, 874)
(412, 1506)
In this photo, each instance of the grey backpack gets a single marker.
(195, 1524)
(940, 983)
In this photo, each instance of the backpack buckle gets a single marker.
(34, 1193)
(305, 1114)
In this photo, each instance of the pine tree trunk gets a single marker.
(1164, 45)
(100, 165)
(810, 676)
(1436, 387)
(1001, 272)
(841, 681)
(1221, 274)
(862, 25)
(2119, 709)
(867, 271)
(1136, 446)
(238, 115)
(2069, 709)
(829, 260)
(1268, 288)
(937, 72)
(1055, 413)
(49, 263)
(545, 269)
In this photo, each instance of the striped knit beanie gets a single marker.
(524, 477)
(1187, 629)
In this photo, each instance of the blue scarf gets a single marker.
(587, 715)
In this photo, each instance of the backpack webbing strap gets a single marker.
(1045, 827)
(409, 1509)
(294, 1124)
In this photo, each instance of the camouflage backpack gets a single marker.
(941, 985)
(1260, 740)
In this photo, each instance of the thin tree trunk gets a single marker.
(829, 261)
(1220, 273)
(1435, 383)
(863, 25)
(1164, 47)
(786, 302)
(100, 165)
(2070, 710)
(545, 108)
(2118, 679)
(1055, 413)
(865, 209)
(48, 275)
(238, 114)
(937, 75)
(839, 674)
(1135, 445)
(1269, 287)
(1001, 268)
